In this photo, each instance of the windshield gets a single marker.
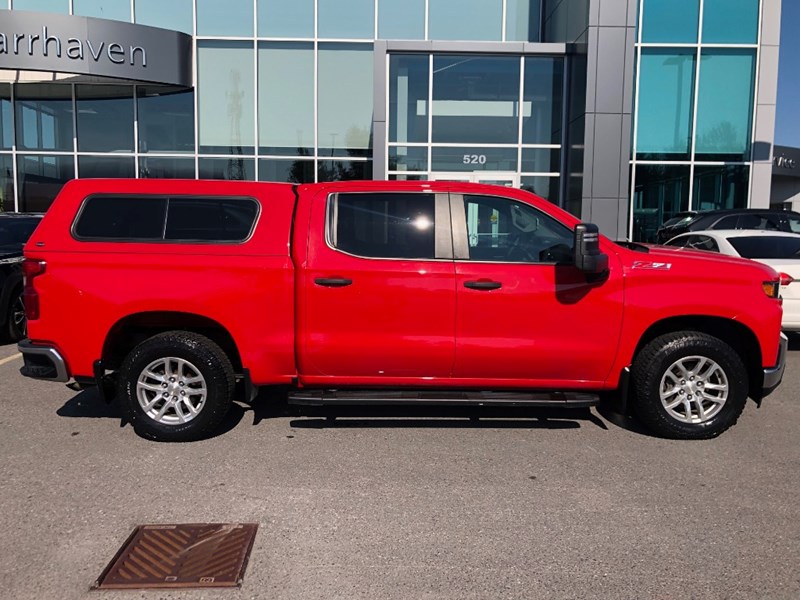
(766, 246)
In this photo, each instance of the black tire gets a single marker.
(650, 368)
(202, 357)
(16, 324)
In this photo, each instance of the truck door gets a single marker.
(377, 292)
(524, 312)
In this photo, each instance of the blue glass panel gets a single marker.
(286, 18)
(522, 20)
(542, 102)
(730, 21)
(111, 167)
(291, 171)
(105, 118)
(119, 10)
(233, 168)
(401, 19)
(44, 117)
(476, 99)
(720, 187)
(666, 82)
(226, 97)
(465, 19)
(670, 21)
(166, 119)
(175, 14)
(660, 192)
(408, 98)
(6, 183)
(51, 6)
(229, 18)
(725, 104)
(346, 19)
(39, 179)
(6, 138)
(344, 92)
(166, 167)
(286, 121)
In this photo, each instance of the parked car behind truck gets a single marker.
(15, 229)
(365, 292)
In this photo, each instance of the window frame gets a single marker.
(163, 240)
(443, 238)
(461, 232)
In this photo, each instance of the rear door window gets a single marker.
(383, 225)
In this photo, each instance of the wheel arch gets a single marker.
(133, 329)
(738, 336)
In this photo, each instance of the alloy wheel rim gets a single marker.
(694, 389)
(18, 317)
(171, 391)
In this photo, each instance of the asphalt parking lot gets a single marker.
(428, 505)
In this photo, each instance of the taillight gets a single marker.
(30, 270)
(786, 279)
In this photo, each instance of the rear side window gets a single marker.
(766, 247)
(170, 219)
(383, 225)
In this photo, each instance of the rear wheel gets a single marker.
(176, 387)
(16, 323)
(689, 385)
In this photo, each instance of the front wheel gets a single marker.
(176, 387)
(689, 385)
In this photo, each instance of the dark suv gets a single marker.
(735, 218)
(15, 229)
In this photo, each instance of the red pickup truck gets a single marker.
(168, 293)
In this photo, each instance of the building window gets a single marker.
(401, 19)
(286, 18)
(105, 118)
(106, 166)
(346, 19)
(44, 117)
(118, 10)
(39, 179)
(476, 99)
(660, 192)
(286, 120)
(666, 90)
(720, 187)
(725, 104)
(49, 6)
(177, 15)
(730, 21)
(670, 21)
(226, 98)
(344, 99)
(166, 119)
(465, 19)
(232, 18)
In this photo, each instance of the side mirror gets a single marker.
(588, 257)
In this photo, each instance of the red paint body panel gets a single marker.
(401, 322)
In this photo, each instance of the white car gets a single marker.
(778, 249)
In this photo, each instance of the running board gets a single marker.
(381, 397)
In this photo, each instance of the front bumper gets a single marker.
(42, 362)
(773, 376)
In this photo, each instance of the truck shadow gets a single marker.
(269, 405)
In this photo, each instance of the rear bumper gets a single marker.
(42, 362)
(773, 376)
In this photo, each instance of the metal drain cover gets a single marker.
(181, 556)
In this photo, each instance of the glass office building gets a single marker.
(624, 113)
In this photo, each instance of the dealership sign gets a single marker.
(98, 47)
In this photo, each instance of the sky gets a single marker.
(787, 121)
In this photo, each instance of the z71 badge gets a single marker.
(644, 264)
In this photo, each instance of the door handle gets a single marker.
(333, 281)
(483, 285)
